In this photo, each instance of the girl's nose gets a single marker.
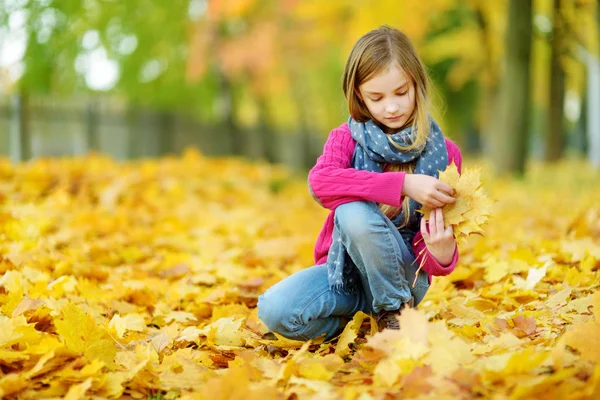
(391, 108)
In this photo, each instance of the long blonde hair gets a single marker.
(372, 54)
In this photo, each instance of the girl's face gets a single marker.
(390, 98)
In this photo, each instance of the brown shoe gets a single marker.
(388, 319)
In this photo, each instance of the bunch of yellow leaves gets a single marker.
(472, 207)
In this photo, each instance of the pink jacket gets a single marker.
(333, 182)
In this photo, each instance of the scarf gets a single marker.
(371, 153)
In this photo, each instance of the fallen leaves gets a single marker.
(83, 335)
(130, 322)
(585, 337)
(140, 280)
(472, 207)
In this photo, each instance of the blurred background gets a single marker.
(515, 80)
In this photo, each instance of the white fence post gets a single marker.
(594, 110)
(592, 64)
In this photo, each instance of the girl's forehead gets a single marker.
(388, 79)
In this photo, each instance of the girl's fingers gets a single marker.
(432, 223)
(434, 203)
(424, 229)
(443, 197)
(439, 218)
(444, 187)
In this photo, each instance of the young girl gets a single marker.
(374, 174)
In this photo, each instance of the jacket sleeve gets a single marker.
(333, 182)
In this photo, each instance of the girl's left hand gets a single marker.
(440, 240)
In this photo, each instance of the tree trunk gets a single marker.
(268, 138)
(510, 140)
(555, 138)
(227, 100)
(581, 144)
(487, 116)
(132, 118)
(308, 156)
(166, 134)
(20, 134)
(91, 123)
(300, 98)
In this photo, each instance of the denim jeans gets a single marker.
(302, 306)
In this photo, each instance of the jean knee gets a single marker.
(355, 219)
(275, 314)
(358, 220)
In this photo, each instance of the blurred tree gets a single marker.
(275, 65)
(313, 57)
(20, 134)
(511, 136)
(594, 146)
(469, 42)
(75, 48)
(555, 140)
(238, 39)
(572, 24)
(91, 123)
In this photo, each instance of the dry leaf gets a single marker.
(472, 207)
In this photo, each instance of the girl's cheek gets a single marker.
(375, 109)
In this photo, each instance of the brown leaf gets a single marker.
(524, 326)
(174, 272)
(26, 305)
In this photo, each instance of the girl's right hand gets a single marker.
(427, 190)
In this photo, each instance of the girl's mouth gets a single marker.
(394, 119)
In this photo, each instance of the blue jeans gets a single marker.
(302, 306)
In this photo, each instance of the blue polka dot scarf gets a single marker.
(373, 150)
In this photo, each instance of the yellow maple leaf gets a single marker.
(77, 392)
(12, 356)
(445, 357)
(495, 272)
(81, 334)
(472, 206)
(322, 369)
(224, 332)
(130, 322)
(181, 371)
(350, 332)
(405, 343)
(387, 372)
(236, 384)
(585, 337)
(524, 361)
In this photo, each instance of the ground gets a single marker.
(140, 279)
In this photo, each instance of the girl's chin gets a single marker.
(394, 126)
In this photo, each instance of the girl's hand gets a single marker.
(427, 190)
(440, 240)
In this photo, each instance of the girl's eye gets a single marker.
(379, 98)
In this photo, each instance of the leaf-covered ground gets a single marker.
(141, 280)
